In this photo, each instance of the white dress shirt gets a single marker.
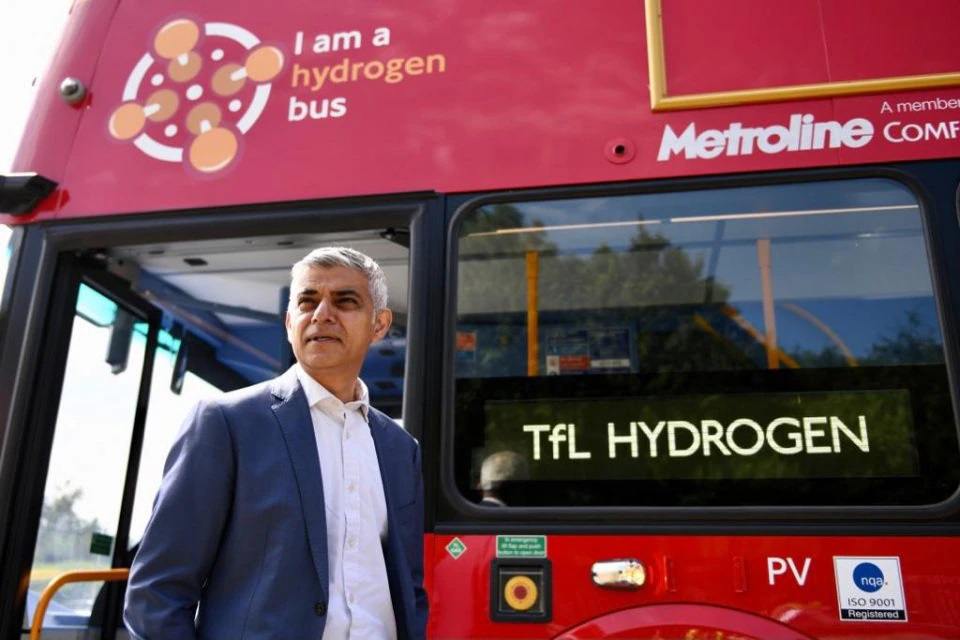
(356, 512)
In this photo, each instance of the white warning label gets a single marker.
(870, 589)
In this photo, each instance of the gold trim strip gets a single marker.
(656, 62)
(661, 101)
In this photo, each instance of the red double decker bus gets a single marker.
(676, 288)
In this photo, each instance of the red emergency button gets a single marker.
(520, 592)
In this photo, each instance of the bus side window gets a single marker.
(701, 348)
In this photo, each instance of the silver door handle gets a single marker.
(625, 573)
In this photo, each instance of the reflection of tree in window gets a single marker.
(825, 357)
(660, 290)
(677, 313)
(63, 543)
(500, 283)
(913, 341)
(594, 277)
(64, 536)
(502, 286)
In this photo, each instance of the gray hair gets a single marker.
(501, 467)
(327, 257)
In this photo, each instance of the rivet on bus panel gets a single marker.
(620, 150)
(72, 90)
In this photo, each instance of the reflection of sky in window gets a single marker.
(94, 423)
(773, 198)
(848, 254)
(808, 251)
(165, 415)
(94, 307)
(660, 211)
(96, 405)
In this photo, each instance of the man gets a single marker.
(496, 469)
(292, 509)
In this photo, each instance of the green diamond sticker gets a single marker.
(456, 548)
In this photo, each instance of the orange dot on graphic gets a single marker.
(176, 38)
(264, 63)
(184, 70)
(127, 121)
(204, 112)
(213, 150)
(161, 105)
(225, 82)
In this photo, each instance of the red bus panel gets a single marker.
(497, 95)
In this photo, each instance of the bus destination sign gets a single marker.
(865, 434)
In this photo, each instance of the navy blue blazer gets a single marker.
(236, 546)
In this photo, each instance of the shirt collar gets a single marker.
(316, 393)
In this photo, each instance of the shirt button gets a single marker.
(320, 608)
(352, 543)
(351, 486)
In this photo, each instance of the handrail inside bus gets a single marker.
(67, 577)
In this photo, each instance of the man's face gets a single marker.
(330, 321)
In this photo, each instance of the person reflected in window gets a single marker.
(497, 469)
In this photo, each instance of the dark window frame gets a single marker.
(933, 184)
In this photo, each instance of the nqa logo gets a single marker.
(205, 86)
(868, 577)
(870, 589)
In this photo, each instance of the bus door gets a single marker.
(104, 348)
(139, 332)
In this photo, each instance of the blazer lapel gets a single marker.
(377, 433)
(393, 549)
(293, 414)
